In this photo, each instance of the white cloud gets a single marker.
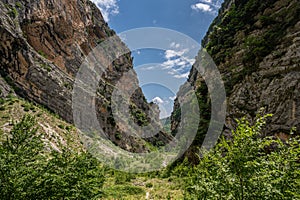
(209, 6)
(171, 53)
(185, 75)
(177, 62)
(148, 68)
(202, 7)
(157, 100)
(172, 98)
(174, 45)
(107, 8)
(207, 1)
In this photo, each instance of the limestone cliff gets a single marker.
(43, 43)
(256, 46)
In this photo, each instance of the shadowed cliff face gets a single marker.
(256, 46)
(43, 43)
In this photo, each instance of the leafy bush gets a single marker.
(61, 126)
(27, 171)
(139, 116)
(149, 185)
(241, 168)
(122, 177)
(118, 136)
(42, 53)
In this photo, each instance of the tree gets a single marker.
(241, 168)
(28, 171)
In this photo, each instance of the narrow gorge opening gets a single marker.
(161, 72)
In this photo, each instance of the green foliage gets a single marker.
(138, 115)
(99, 41)
(42, 53)
(44, 65)
(122, 177)
(118, 136)
(73, 176)
(241, 168)
(205, 108)
(237, 26)
(61, 126)
(120, 191)
(28, 171)
(28, 106)
(176, 114)
(19, 5)
(13, 13)
(257, 47)
(149, 185)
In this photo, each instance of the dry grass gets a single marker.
(54, 131)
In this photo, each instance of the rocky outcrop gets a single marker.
(5, 89)
(43, 43)
(256, 47)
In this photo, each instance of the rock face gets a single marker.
(43, 43)
(256, 46)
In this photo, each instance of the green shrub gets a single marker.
(44, 65)
(19, 5)
(26, 107)
(29, 172)
(118, 136)
(149, 185)
(68, 128)
(122, 177)
(61, 126)
(241, 168)
(13, 13)
(2, 101)
(42, 53)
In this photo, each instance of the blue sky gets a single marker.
(190, 17)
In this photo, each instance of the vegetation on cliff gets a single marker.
(30, 172)
(256, 46)
(248, 166)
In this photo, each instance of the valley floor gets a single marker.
(142, 187)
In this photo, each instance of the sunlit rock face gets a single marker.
(256, 47)
(44, 42)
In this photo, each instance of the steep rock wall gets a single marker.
(43, 43)
(256, 46)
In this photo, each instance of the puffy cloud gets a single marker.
(209, 6)
(177, 62)
(172, 98)
(202, 7)
(174, 45)
(107, 8)
(207, 1)
(172, 53)
(185, 75)
(157, 100)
